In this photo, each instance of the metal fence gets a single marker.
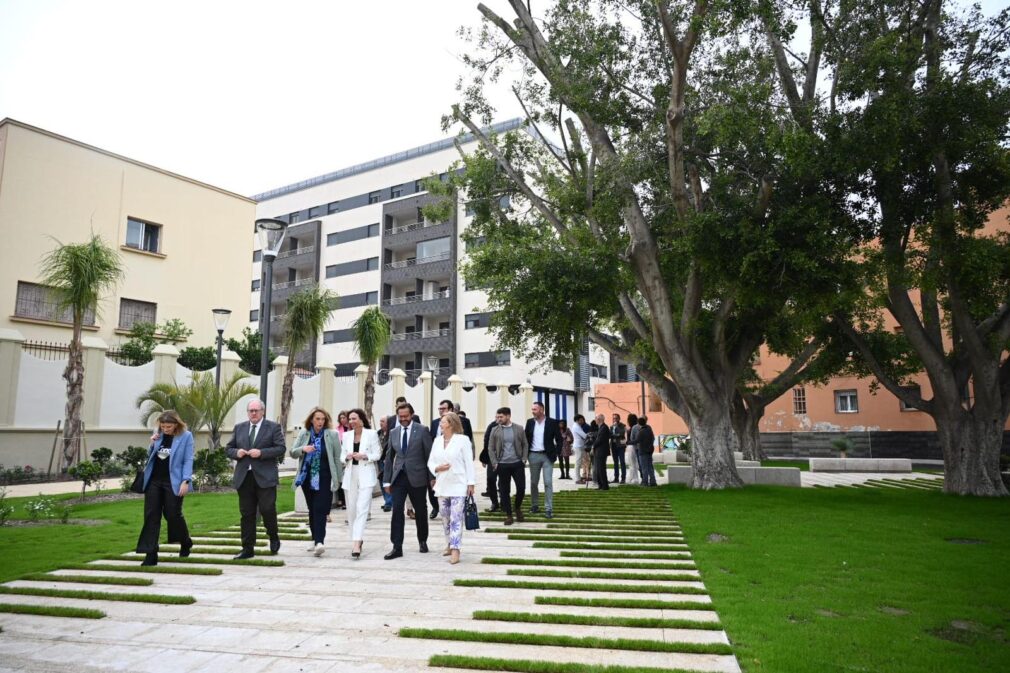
(46, 350)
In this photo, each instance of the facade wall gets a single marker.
(55, 188)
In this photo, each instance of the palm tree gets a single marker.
(199, 403)
(372, 334)
(79, 275)
(304, 321)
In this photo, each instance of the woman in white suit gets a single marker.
(360, 451)
(451, 462)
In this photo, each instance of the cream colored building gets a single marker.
(185, 245)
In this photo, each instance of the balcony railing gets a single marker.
(402, 264)
(297, 251)
(396, 301)
(411, 226)
(301, 282)
(427, 334)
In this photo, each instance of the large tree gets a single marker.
(304, 321)
(79, 275)
(372, 333)
(919, 106)
(662, 203)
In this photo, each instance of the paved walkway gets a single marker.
(335, 614)
(871, 479)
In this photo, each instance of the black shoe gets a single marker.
(549, 514)
(387, 508)
(534, 509)
(423, 547)
(185, 549)
(243, 555)
(494, 508)
(483, 494)
(150, 559)
(275, 545)
(433, 515)
(395, 553)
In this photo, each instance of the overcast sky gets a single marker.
(246, 95)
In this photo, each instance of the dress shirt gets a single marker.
(537, 445)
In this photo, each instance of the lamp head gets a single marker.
(271, 234)
(221, 316)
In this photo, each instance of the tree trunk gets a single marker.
(713, 441)
(746, 420)
(74, 376)
(287, 394)
(971, 443)
(370, 393)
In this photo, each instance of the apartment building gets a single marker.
(361, 232)
(180, 240)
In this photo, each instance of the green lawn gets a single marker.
(804, 464)
(855, 580)
(43, 548)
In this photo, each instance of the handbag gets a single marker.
(138, 483)
(470, 513)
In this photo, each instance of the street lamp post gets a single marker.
(432, 362)
(271, 234)
(221, 316)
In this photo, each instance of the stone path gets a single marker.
(332, 613)
(900, 480)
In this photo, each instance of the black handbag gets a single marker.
(470, 513)
(138, 483)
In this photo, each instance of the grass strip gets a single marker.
(99, 595)
(88, 579)
(593, 538)
(551, 534)
(587, 563)
(609, 547)
(531, 666)
(629, 603)
(579, 586)
(215, 561)
(122, 568)
(593, 575)
(594, 620)
(544, 639)
(598, 526)
(51, 611)
(606, 554)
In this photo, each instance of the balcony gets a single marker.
(435, 340)
(415, 261)
(435, 267)
(304, 250)
(436, 304)
(408, 234)
(411, 226)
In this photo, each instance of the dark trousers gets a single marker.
(507, 473)
(492, 485)
(648, 470)
(252, 497)
(401, 491)
(600, 467)
(159, 501)
(565, 463)
(432, 499)
(319, 503)
(620, 467)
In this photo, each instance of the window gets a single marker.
(477, 320)
(503, 358)
(254, 315)
(374, 197)
(297, 216)
(487, 359)
(846, 402)
(799, 400)
(256, 285)
(332, 207)
(433, 248)
(622, 373)
(361, 299)
(470, 210)
(351, 235)
(316, 211)
(357, 266)
(591, 404)
(396, 192)
(132, 311)
(419, 185)
(338, 336)
(38, 302)
(912, 389)
(257, 256)
(143, 235)
(598, 371)
(471, 360)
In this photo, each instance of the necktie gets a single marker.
(403, 440)
(252, 436)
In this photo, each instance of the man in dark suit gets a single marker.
(544, 440)
(256, 445)
(492, 479)
(406, 475)
(601, 449)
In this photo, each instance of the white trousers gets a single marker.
(631, 458)
(359, 501)
(577, 454)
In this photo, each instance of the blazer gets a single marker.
(269, 440)
(485, 457)
(370, 446)
(645, 440)
(331, 443)
(453, 482)
(496, 445)
(602, 441)
(415, 462)
(180, 460)
(552, 437)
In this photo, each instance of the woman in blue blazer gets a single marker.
(167, 478)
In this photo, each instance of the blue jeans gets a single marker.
(648, 471)
(539, 462)
(387, 498)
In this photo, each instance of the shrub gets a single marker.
(198, 359)
(40, 508)
(210, 467)
(133, 457)
(843, 445)
(6, 509)
(103, 457)
(64, 511)
(20, 475)
(88, 472)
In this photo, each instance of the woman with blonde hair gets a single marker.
(360, 451)
(167, 476)
(451, 461)
(319, 471)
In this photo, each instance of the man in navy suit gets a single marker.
(406, 475)
(544, 439)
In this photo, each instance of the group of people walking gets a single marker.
(416, 463)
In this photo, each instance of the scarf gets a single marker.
(310, 467)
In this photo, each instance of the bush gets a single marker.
(6, 509)
(21, 475)
(40, 508)
(198, 359)
(133, 457)
(843, 445)
(88, 472)
(210, 466)
(103, 457)
(64, 511)
(144, 336)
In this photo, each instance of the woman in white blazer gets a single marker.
(451, 462)
(360, 451)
